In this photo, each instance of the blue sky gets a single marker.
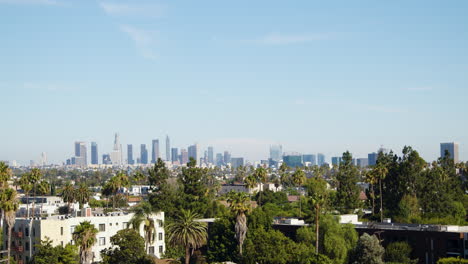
(315, 76)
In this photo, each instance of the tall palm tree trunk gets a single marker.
(317, 229)
(27, 205)
(381, 202)
(9, 244)
(373, 199)
(187, 254)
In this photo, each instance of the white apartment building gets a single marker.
(60, 228)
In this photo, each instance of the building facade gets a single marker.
(94, 153)
(451, 148)
(155, 150)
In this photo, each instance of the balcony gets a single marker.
(18, 234)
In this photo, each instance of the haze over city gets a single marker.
(313, 76)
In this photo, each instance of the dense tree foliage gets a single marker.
(128, 248)
(347, 189)
(368, 250)
(47, 254)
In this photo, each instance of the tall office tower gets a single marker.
(210, 155)
(130, 154)
(372, 158)
(336, 160)
(155, 151)
(237, 162)
(168, 149)
(320, 159)
(227, 157)
(43, 159)
(116, 154)
(362, 162)
(174, 154)
(94, 153)
(80, 153)
(309, 158)
(452, 148)
(106, 159)
(276, 152)
(184, 157)
(143, 154)
(293, 160)
(193, 152)
(205, 157)
(219, 159)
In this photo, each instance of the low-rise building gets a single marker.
(59, 229)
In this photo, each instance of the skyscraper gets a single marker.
(320, 159)
(168, 148)
(237, 162)
(155, 151)
(293, 160)
(193, 152)
(130, 154)
(94, 153)
(309, 158)
(452, 148)
(106, 160)
(210, 155)
(116, 154)
(143, 154)
(43, 159)
(175, 154)
(219, 159)
(372, 158)
(80, 153)
(276, 152)
(184, 157)
(336, 160)
(227, 157)
(362, 162)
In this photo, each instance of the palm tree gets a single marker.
(68, 194)
(34, 176)
(84, 237)
(239, 204)
(82, 194)
(26, 186)
(186, 231)
(112, 187)
(5, 176)
(250, 182)
(317, 191)
(380, 171)
(262, 176)
(299, 178)
(371, 178)
(143, 213)
(9, 205)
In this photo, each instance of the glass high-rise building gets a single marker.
(320, 159)
(293, 160)
(336, 160)
(210, 155)
(451, 148)
(175, 154)
(193, 152)
(219, 159)
(168, 149)
(184, 157)
(237, 162)
(130, 154)
(309, 158)
(276, 152)
(94, 153)
(143, 154)
(155, 151)
(227, 157)
(372, 158)
(80, 153)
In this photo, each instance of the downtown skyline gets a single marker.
(241, 76)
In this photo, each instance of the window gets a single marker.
(151, 250)
(26, 231)
(161, 249)
(125, 224)
(61, 230)
(102, 241)
(160, 236)
(110, 224)
(160, 222)
(34, 231)
(27, 246)
(102, 227)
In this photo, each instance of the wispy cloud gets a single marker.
(31, 2)
(144, 40)
(122, 9)
(285, 39)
